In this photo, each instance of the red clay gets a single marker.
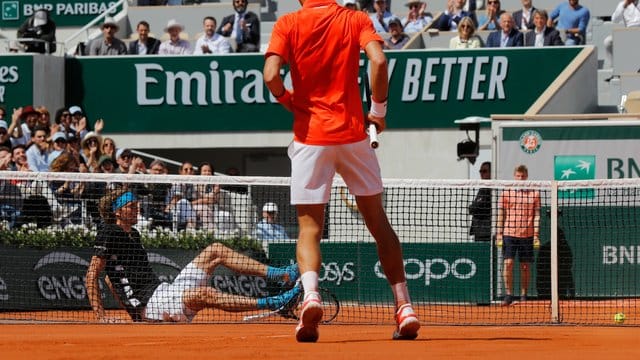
(268, 341)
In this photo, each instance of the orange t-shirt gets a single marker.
(520, 208)
(321, 43)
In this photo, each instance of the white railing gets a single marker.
(19, 47)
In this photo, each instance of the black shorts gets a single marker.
(522, 247)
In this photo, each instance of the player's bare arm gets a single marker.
(379, 84)
(274, 82)
(96, 266)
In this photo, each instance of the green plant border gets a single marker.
(78, 236)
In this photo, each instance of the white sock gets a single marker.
(401, 293)
(310, 283)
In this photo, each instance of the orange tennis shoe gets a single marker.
(407, 323)
(307, 329)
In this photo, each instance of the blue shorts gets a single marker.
(522, 247)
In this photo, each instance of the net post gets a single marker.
(555, 318)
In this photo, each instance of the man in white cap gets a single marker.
(39, 26)
(267, 229)
(350, 4)
(108, 44)
(175, 45)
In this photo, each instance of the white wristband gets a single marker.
(378, 109)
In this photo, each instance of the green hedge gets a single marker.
(76, 236)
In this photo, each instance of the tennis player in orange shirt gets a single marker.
(322, 43)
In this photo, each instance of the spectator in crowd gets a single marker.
(174, 45)
(62, 118)
(451, 17)
(350, 4)
(467, 38)
(39, 26)
(243, 27)
(398, 38)
(5, 136)
(59, 142)
(120, 255)
(626, 13)
(109, 148)
(45, 118)
(156, 206)
(572, 18)
(106, 164)
(187, 190)
(108, 44)
(518, 232)
(29, 116)
(524, 17)
(180, 211)
(5, 158)
(490, 20)
(205, 198)
(507, 36)
(78, 122)
(480, 208)
(542, 35)
(210, 42)
(10, 194)
(417, 18)
(381, 17)
(144, 44)
(91, 146)
(19, 158)
(239, 189)
(125, 160)
(267, 228)
(9, 139)
(39, 153)
(66, 162)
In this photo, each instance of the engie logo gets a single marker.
(63, 274)
(10, 10)
(435, 269)
(574, 167)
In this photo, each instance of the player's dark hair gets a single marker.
(106, 205)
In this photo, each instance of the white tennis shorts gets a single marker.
(314, 166)
(166, 301)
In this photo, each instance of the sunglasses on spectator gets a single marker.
(65, 115)
(411, 6)
(464, 26)
(109, 26)
(107, 144)
(188, 169)
(493, 2)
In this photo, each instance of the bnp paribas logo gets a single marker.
(10, 10)
(575, 167)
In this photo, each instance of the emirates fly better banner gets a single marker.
(428, 89)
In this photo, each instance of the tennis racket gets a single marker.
(372, 130)
(291, 310)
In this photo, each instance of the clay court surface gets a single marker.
(269, 341)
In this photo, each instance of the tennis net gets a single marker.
(586, 269)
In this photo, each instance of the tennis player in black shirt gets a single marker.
(119, 252)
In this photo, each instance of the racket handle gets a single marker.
(373, 136)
